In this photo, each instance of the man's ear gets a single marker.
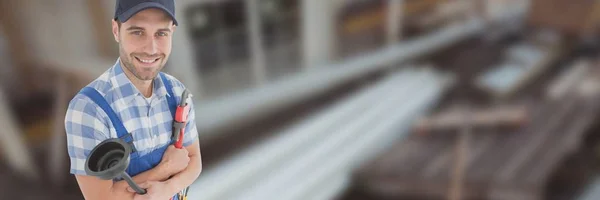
(115, 30)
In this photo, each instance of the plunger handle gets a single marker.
(133, 185)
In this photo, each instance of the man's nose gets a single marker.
(151, 47)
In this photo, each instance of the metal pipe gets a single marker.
(379, 139)
(329, 189)
(329, 142)
(349, 159)
(293, 175)
(246, 105)
(251, 163)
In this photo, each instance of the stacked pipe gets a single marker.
(331, 137)
(227, 110)
(337, 154)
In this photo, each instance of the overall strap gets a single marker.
(116, 122)
(171, 99)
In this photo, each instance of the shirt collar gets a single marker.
(127, 90)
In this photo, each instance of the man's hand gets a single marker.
(155, 190)
(121, 189)
(175, 160)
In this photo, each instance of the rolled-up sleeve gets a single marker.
(85, 128)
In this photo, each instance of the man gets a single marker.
(138, 94)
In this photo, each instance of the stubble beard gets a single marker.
(127, 61)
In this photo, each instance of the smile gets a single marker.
(147, 61)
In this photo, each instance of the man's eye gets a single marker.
(162, 34)
(136, 33)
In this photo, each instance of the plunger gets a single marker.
(109, 160)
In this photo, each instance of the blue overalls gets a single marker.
(137, 163)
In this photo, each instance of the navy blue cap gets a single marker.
(127, 8)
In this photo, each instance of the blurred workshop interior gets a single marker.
(332, 99)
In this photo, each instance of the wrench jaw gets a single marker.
(184, 96)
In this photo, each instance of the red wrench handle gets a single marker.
(179, 143)
(181, 119)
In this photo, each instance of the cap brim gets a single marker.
(142, 6)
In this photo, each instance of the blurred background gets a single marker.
(332, 99)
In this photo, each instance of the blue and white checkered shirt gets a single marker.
(148, 120)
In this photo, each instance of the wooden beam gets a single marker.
(455, 191)
(552, 123)
(452, 119)
(567, 80)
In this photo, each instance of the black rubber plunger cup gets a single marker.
(109, 160)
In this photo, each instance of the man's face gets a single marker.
(145, 42)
